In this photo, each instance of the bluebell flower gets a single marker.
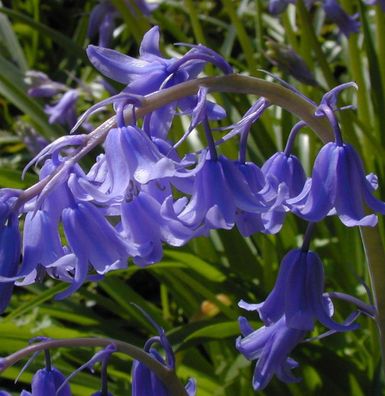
(287, 169)
(4, 393)
(93, 240)
(132, 155)
(298, 295)
(158, 223)
(64, 112)
(144, 381)
(47, 382)
(159, 73)
(346, 23)
(270, 346)
(10, 245)
(128, 70)
(338, 185)
(40, 85)
(220, 189)
(102, 21)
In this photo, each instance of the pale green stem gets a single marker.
(167, 376)
(275, 93)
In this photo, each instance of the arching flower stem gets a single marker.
(167, 376)
(293, 134)
(276, 94)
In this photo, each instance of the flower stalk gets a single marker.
(167, 376)
(274, 93)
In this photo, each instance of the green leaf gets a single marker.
(11, 178)
(36, 301)
(70, 46)
(11, 42)
(196, 264)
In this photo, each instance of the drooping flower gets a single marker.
(287, 169)
(93, 239)
(102, 21)
(338, 183)
(298, 295)
(270, 346)
(144, 381)
(145, 237)
(63, 112)
(47, 381)
(10, 245)
(346, 23)
(40, 85)
(220, 188)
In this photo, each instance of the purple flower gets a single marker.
(151, 64)
(144, 381)
(40, 85)
(159, 73)
(283, 168)
(102, 20)
(220, 189)
(346, 23)
(154, 227)
(10, 245)
(93, 240)
(270, 346)
(47, 382)
(132, 156)
(298, 295)
(338, 183)
(63, 112)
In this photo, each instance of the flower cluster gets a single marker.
(141, 194)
